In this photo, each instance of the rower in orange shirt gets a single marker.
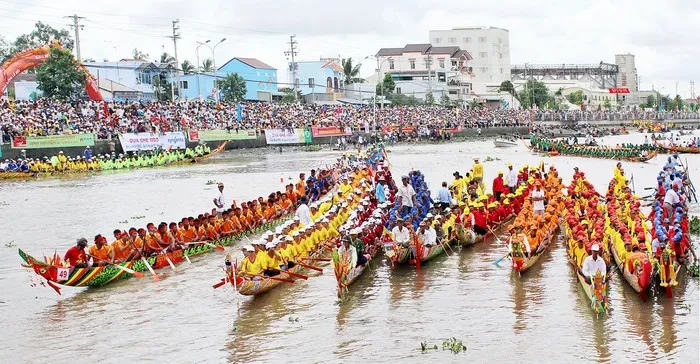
(101, 253)
(187, 233)
(211, 232)
(301, 185)
(285, 203)
(226, 226)
(122, 248)
(291, 193)
(269, 211)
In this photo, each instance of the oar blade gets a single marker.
(223, 281)
(155, 277)
(137, 274)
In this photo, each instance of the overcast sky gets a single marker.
(664, 36)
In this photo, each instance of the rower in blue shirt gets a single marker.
(379, 190)
(444, 196)
(12, 167)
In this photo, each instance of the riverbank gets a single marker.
(558, 128)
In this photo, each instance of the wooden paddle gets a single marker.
(297, 275)
(497, 261)
(164, 252)
(125, 269)
(310, 266)
(150, 269)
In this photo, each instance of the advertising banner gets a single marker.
(287, 136)
(328, 131)
(619, 90)
(53, 141)
(147, 141)
(215, 135)
(193, 135)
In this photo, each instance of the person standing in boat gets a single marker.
(220, 201)
(407, 196)
(477, 171)
(538, 198)
(348, 253)
(444, 197)
(380, 193)
(303, 212)
(594, 264)
(512, 178)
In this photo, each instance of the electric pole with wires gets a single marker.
(175, 37)
(293, 65)
(77, 27)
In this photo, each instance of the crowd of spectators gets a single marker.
(107, 120)
(611, 115)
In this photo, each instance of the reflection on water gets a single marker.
(543, 315)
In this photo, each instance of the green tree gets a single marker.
(403, 100)
(606, 104)
(429, 99)
(351, 72)
(42, 34)
(507, 86)
(187, 67)
(445, 100)
(576, 97)
(650, 103)
(140, 56)
(288, 96)
(167, 58)
(387, 85)
(676, 103)
(558, 93)
(691, 107)
(233, 88)
(59, 77)
(162, 87)
(474, 104)
(535, 92)
(4, 49)
(207, 65)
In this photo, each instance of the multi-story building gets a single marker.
(490, 49)
(419, 69)
(134, 77)
(324, 76)
(260, 79)
(627, 71)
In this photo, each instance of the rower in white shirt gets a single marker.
(424, 235)
(594, 263)
(348, 253)
(402, 235)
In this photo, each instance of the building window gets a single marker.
(453, 40)
(623, 80)
(412, 62)
(482, 39)
(471, 69)
(623, 60)
(329, 82)
(398, 90)
(391, 64)
(500, 56)
(467, 39)
(335, 83)
(437, 40)
(184, 85)
(454, 63)
(441, 63)
(482, 54)
(312, 83)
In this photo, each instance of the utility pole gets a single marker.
(428, 64)
(175, 37)
(77, 28)
(293, 66)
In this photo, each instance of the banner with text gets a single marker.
(330, 131)
(146, 141)
(216, 135)
(53, 141)
(287, 136)
(193, 135)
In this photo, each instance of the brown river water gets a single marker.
(543, 316)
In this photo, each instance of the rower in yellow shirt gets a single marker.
(288, 251)
(273, 261)
(251, 263)
(477, 171)
(330, 231)
(300, 246)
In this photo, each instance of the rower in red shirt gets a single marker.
(75, 256)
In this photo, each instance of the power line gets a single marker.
(175, 37)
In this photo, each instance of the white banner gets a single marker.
(146, 141)
(284, 136)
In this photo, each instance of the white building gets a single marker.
(490, 47)
(627, 71)
(132, 79)
(419, 69)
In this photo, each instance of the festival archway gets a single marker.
(31, 58)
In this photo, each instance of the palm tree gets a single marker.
(351, 73)
(207, 65)
(166, 58)
(187, 67)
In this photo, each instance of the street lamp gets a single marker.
(196, 51)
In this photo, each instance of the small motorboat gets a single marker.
(504, 143)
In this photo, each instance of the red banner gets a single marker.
(326, 131)
(619, 90)
(410, 129)
(19, 141)
(193, 135)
